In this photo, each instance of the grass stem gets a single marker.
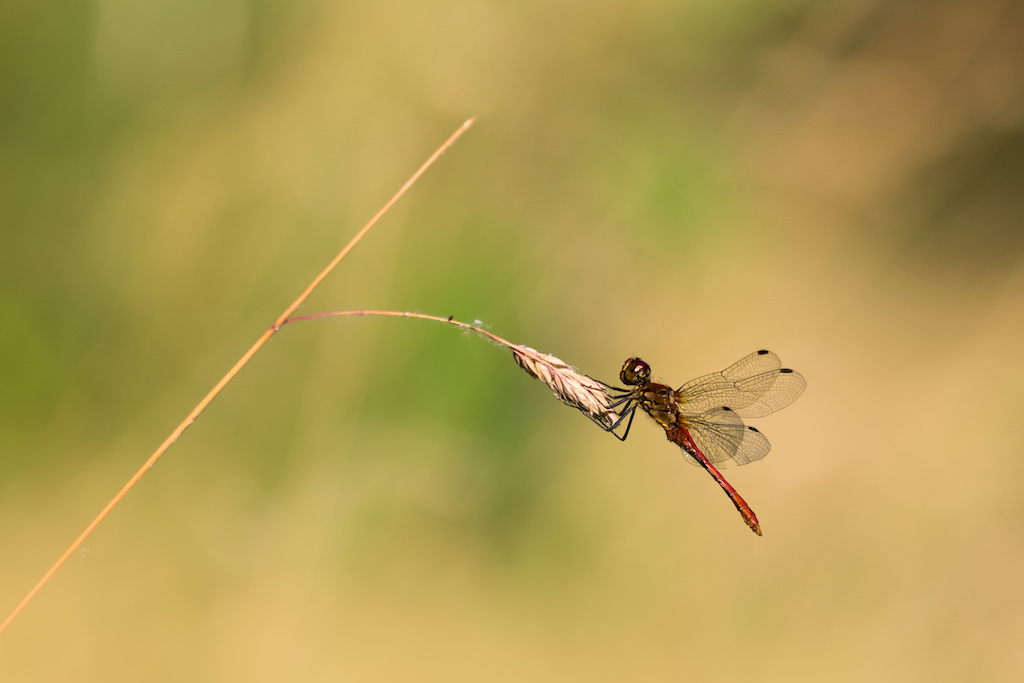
(235, 369)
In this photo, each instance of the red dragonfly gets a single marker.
(704, 416)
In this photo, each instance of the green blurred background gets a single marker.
(389, 500)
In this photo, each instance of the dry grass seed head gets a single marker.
(575, 389)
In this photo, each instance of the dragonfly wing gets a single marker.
(775, 390)
(753, 447)
(721, 388)
(757, 363)
(754, 386)
(718, 434)
(721, 436)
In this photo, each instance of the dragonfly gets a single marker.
(704, 417)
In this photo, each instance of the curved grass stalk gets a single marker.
(580, 391)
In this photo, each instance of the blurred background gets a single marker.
(391, 500)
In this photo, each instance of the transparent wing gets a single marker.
(775, 390)
(754, 386)
(721, 436)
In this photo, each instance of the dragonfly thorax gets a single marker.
(660, 402)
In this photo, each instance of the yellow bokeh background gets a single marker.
(391, 500)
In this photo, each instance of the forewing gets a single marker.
(775, 390)
(700, 395)
(754, 386)
(757, 363)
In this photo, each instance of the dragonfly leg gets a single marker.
(631, 414)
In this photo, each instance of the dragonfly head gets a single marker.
(635, 372)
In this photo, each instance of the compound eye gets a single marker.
(635, 371)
